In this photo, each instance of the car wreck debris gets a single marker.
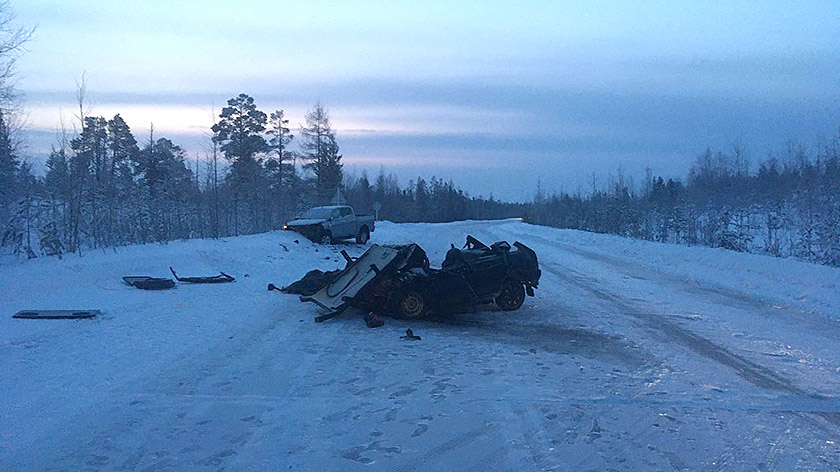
(313, 281)
(215, 279)
(55, 314)
(398, 280)
(373, 321)
(410, 336)
(145, 282)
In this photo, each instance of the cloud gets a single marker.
(460, 89)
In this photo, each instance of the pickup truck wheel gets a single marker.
(363, 236)
(512, 295)
(326, 238)
(412, 304)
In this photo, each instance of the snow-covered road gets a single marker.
(632, 356)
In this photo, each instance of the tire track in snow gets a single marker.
(754, 373)
(422, 461)
(750, 371)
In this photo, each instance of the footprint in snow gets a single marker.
(403, 392)
(421, 428)
(217, 458)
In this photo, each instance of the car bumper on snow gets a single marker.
(312, 232)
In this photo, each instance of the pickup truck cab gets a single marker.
(326, 224)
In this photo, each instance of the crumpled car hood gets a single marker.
(305, 221)
(354, 278)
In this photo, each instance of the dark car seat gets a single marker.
(453, 257)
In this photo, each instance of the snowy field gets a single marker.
(632, 356)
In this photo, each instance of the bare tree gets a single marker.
(12, 41)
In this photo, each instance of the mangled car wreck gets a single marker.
(397, 280)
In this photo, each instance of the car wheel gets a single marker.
(363, 236)
(326, 238)
(512, 295)
(412, 305)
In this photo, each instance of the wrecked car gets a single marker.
(327, 224)
(398, 280)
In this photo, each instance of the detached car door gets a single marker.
(356, 276)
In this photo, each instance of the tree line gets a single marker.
(787, 206)
(103, 188)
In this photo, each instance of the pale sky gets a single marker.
(493, 95)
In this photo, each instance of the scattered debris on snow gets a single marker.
(144, 282)
(215, 279)
(410, 336)
(55, 314)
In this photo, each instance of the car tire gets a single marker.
(363, 236)
(512, 295)
(326, 238)
(412, 304)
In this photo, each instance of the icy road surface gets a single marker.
(632, 356)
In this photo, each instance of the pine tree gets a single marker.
(168, 184)
(239, 129)
(27, 213)
(123, 148)
(8, 186)
(8, 164)
(278, 143)
(59, 193)
(321, 152)
(280, 167)
(239, 133)
(120, 188)
(91, 166)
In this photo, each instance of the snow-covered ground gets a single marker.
(632, 356)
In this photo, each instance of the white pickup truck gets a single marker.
(331, 223)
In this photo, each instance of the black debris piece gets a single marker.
(313, 281)
(144, 282)
(215, 279)
(373, 321)
(332, 314)
(55, 314)
(409, 335)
